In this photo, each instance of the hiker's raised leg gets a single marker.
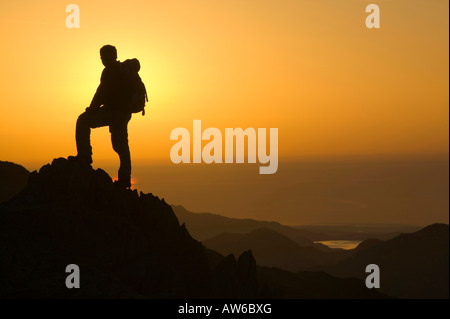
(86, 121)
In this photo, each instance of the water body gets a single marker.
(343, 244)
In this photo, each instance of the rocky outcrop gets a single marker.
(237, 278)
(127, 244)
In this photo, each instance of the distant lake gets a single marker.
(343, 244)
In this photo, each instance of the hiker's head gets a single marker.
(108, 54)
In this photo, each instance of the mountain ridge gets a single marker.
(272, 249)
(414, 265)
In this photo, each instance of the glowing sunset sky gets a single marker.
(310, 68)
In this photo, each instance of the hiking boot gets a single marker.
(122, 184)
(85, 159)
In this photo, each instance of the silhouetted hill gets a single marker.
(274, 250)
(411, 265)
(13, 178)
(126, 244)
(205, 225)
(368, 243)
(361, 232)
(279, 283)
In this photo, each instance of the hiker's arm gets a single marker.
(98, 98)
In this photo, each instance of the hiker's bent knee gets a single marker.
(82, 119)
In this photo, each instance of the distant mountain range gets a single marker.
(273, 249)
(413, 265)
(203, 226)
(206, 225)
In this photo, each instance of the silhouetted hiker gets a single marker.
(120, 93)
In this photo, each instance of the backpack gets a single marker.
(137, 94)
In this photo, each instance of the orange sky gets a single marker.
(310, 68)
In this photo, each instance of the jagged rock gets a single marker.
(246, 274)
(126, 244)
(237, 279)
